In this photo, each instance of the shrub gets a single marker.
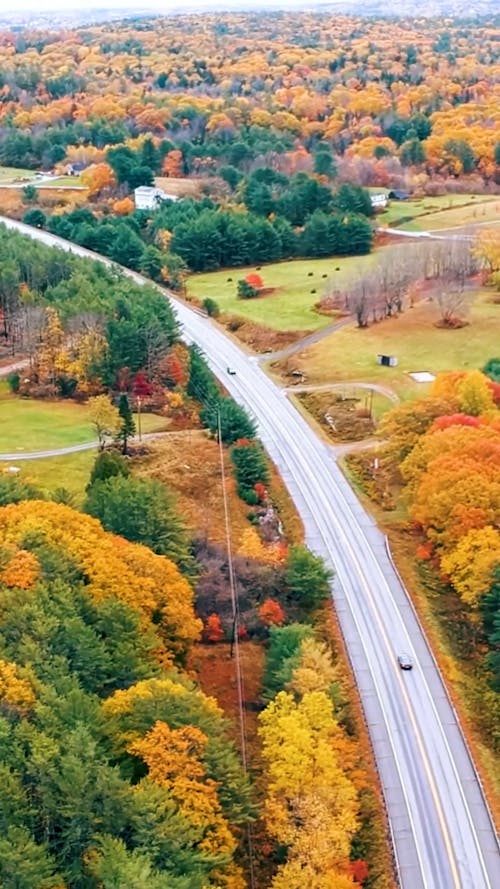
(14, 381)
(211, 307)
(213, 631)
(246, 290)
(248, 495)
(35, 218)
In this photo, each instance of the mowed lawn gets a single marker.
(350, 353)
(29, 425)
(291, 306)
(71, 472)
(442, 212)
(10, 174)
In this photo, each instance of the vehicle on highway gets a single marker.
(405, 661)
(231, 371)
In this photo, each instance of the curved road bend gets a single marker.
(441, 827)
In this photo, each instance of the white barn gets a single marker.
(379, 201)
(148, 197)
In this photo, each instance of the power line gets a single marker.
(235, 642)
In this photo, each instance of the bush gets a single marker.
(36, 218)
(248, 495)
(246, 290)
(211, 307)
(13, 382)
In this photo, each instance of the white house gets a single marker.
(379, 201)
(147, 197)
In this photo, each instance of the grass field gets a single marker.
(40, 425)
(71, 472)
(444, 211)
(10, 174)
(350, 353)
(291, 306)
(74, 181)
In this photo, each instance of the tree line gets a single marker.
(445, 450)
(282, 219)
(258, 91)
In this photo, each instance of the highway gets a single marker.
(441, 828)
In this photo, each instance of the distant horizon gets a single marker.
(167, 6)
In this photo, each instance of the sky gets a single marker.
(156, 5)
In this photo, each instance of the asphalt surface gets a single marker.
(442, 831)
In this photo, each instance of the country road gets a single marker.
(441, 827)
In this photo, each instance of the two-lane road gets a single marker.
(443, 835)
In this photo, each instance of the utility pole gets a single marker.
(139, 429)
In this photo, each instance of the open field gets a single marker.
(42, 425)
(444, 211)
(291, 306)
(350, 353)
(71, 472)
(10, 174)
(180, 187)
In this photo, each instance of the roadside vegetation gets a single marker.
(436, 491)
(150, 496)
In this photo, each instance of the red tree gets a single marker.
(213, 628)
(271, 613)
(254, 281)
(140, 385)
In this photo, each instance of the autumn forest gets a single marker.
(177, 710)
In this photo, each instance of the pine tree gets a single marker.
(127, 424)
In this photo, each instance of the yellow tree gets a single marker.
(98, 178)
(311, 804)
(486, 249)
(315, 670)
(52, 357)
(303, 874)
(173, 758)
(16, 693)
(104, 416)
(471, 564)
(474, 395)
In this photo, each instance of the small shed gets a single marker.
(398, 195)
(387, 360)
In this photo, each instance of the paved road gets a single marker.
(441, 235)
(442, 832)
(87, 446)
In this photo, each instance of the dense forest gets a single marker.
(280, 121)
(288, 91)
(118, 769)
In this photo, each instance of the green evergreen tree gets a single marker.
(106, 465)
(144, 511)
(307, 577)
(229, 419)
(282, 656)
(127, 424)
